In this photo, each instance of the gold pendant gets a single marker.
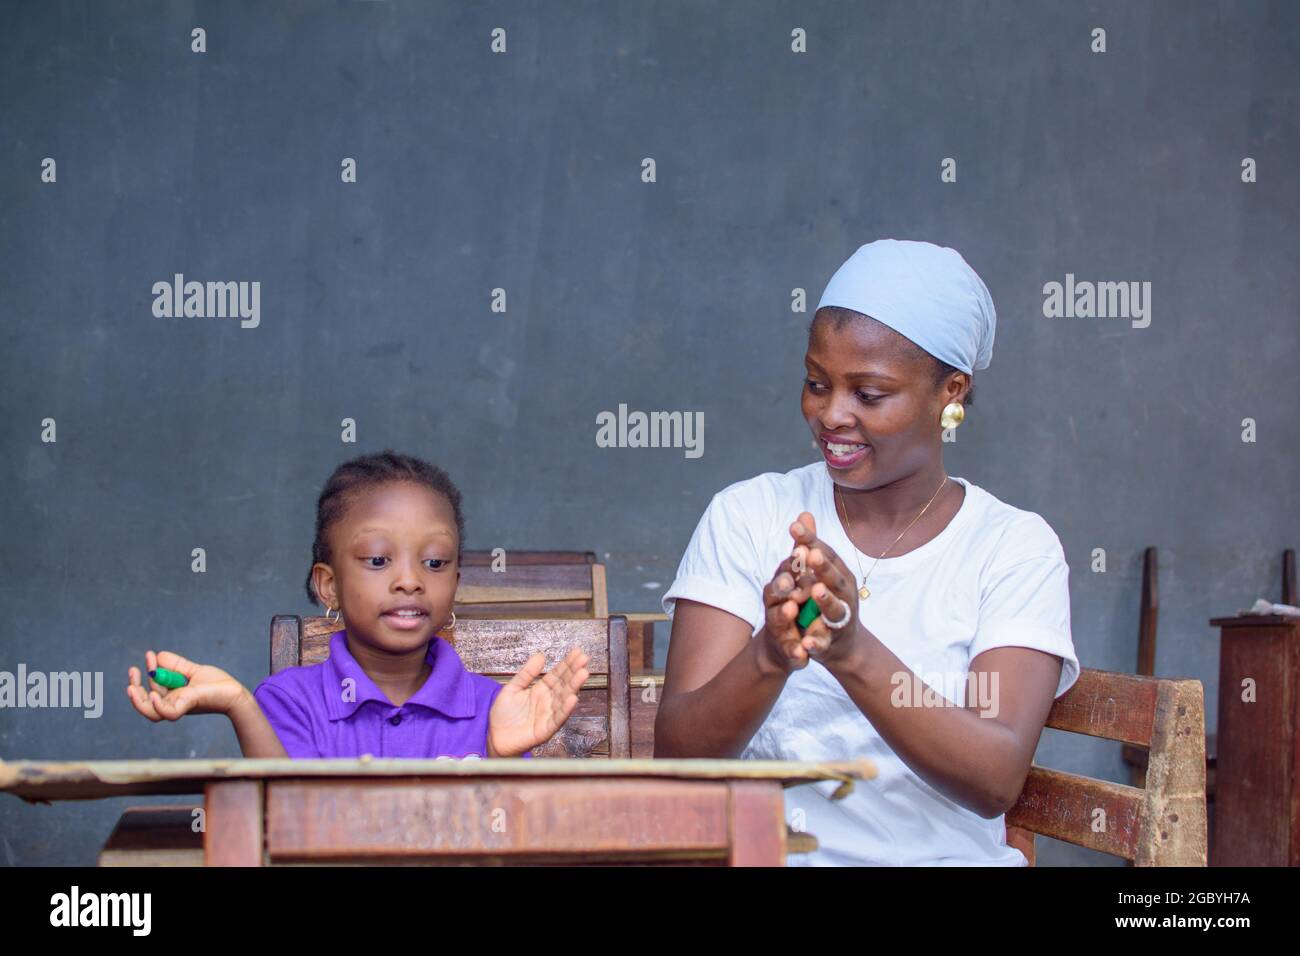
(863, 592)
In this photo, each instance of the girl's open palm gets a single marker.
(524, 716)
(210, 689)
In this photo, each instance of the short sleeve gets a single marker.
(1027, 604)
(721, 564)
(289, 720)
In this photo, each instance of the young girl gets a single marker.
(386, 560)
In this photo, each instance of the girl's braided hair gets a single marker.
(364, 473)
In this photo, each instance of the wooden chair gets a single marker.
(566, 584)
(1163, 823)
(563, 584)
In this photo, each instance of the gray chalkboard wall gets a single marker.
(522, 171)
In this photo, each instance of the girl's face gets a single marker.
(394, 549)
(870, 401)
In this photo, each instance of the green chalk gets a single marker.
(808, 612)
(170, 679)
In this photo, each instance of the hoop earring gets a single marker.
(953, 415)
(452, 625)
(335, 620)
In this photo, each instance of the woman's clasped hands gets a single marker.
(815, 571)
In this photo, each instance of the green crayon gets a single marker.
(171, 679)
(808, 612)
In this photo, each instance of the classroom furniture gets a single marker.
(1257, 810)
(566, 584)
(1136, 757)
(1162, 823)
(284, 811)
(547, 584)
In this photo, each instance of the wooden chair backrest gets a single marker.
(547, 584)
(532, 584)
(600, 726)
(1162, 824)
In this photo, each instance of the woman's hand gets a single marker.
(210, 689)
(524, 716)
(832, 586)
(782, 597)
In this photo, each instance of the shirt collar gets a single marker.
(448, 690)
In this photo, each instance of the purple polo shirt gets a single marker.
(316, 714)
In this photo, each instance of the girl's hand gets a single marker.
(524, 716)
(210, 689)
(833, 587)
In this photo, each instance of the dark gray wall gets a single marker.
(523, 171)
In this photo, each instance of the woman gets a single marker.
(945, 627)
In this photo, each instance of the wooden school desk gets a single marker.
(1257, 803)
(283, 811)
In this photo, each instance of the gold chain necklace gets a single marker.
(862, 591)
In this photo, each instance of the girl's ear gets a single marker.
(323, 582)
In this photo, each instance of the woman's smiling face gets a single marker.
(395, 549)
(870, 400)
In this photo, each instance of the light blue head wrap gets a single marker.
(924, 292)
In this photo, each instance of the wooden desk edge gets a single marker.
(89, 780)
(1255, 620)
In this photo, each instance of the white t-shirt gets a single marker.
(995, 576)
